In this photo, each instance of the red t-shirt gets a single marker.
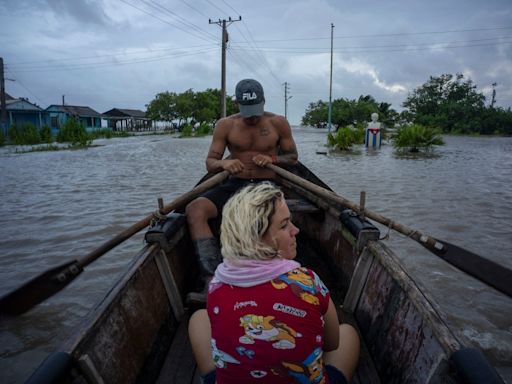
(271, 332)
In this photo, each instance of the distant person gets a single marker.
(268, 320)
(254, 139)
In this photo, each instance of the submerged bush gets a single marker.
(45, 133)
(345, 137)
(73, 132)
(105, 133)
(2, 137)
(204, 129)
(414, 137)
(24, 135)
(186, 130)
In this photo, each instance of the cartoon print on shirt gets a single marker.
(301, 284)
(267, 328)
(220, 358)
(242, 351)
(320, 285)
(258, 373)
(308, 371)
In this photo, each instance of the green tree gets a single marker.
(316, 114)
(189, 107)
(349, 112)
(185, 106)
(162, 107)
(448, 102)
(206, 106)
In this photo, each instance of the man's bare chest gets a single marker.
(254, 139)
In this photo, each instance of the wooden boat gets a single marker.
(138, 332)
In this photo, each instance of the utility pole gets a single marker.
(493, 94)
(286, 98)
(330, 88)
(224, 24)
(3, 113)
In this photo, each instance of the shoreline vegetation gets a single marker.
(73, 136)
(444, 105)
(411, 139)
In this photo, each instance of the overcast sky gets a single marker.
(120, 53)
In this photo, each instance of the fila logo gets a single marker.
(249, 96)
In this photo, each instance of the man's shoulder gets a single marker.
(227, 122)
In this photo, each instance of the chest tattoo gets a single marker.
(264, 131)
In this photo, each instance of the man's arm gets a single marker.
(288, 155)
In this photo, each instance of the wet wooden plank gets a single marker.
(179, 366)
(366, 371)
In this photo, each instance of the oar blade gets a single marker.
(485, 270)
(39, 289)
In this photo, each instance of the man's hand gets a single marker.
(262, 160)
(233, 166)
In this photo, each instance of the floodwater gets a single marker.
(60, 205)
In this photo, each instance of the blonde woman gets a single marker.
(268, 320)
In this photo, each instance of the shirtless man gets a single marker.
(254, 138)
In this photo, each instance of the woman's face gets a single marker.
(281, 232)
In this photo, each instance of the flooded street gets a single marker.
(57, 206)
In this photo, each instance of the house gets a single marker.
(59, 114)
(21, 111)
(127, 120)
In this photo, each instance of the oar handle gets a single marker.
(427, 241)
(140, 225)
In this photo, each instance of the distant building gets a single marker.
(59, 114)
(21, 111)
(127, 120)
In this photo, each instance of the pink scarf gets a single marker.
(247, 273)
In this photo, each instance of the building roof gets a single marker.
(8, 97)
(21, 105)
(125, 113)
(74, 110)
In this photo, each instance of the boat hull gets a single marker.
(130, 334)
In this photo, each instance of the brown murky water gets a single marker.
(58, 205)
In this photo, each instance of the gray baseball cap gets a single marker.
(250, 97)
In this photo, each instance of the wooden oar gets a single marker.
(53, 280)
(485, 270)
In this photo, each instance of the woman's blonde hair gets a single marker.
(245, 219)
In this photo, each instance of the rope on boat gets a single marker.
(390, 226)
(157, 218)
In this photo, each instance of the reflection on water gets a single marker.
(60, 205)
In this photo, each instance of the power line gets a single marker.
(28, 90)
(88, 58)
(431, 46)
(241, 61)
(253, 43)
(229, 6)
(193, 8)
(164, 21)
(215, 6)
(496, 38)
(386, 34)
(60, 67)
(179, 18)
